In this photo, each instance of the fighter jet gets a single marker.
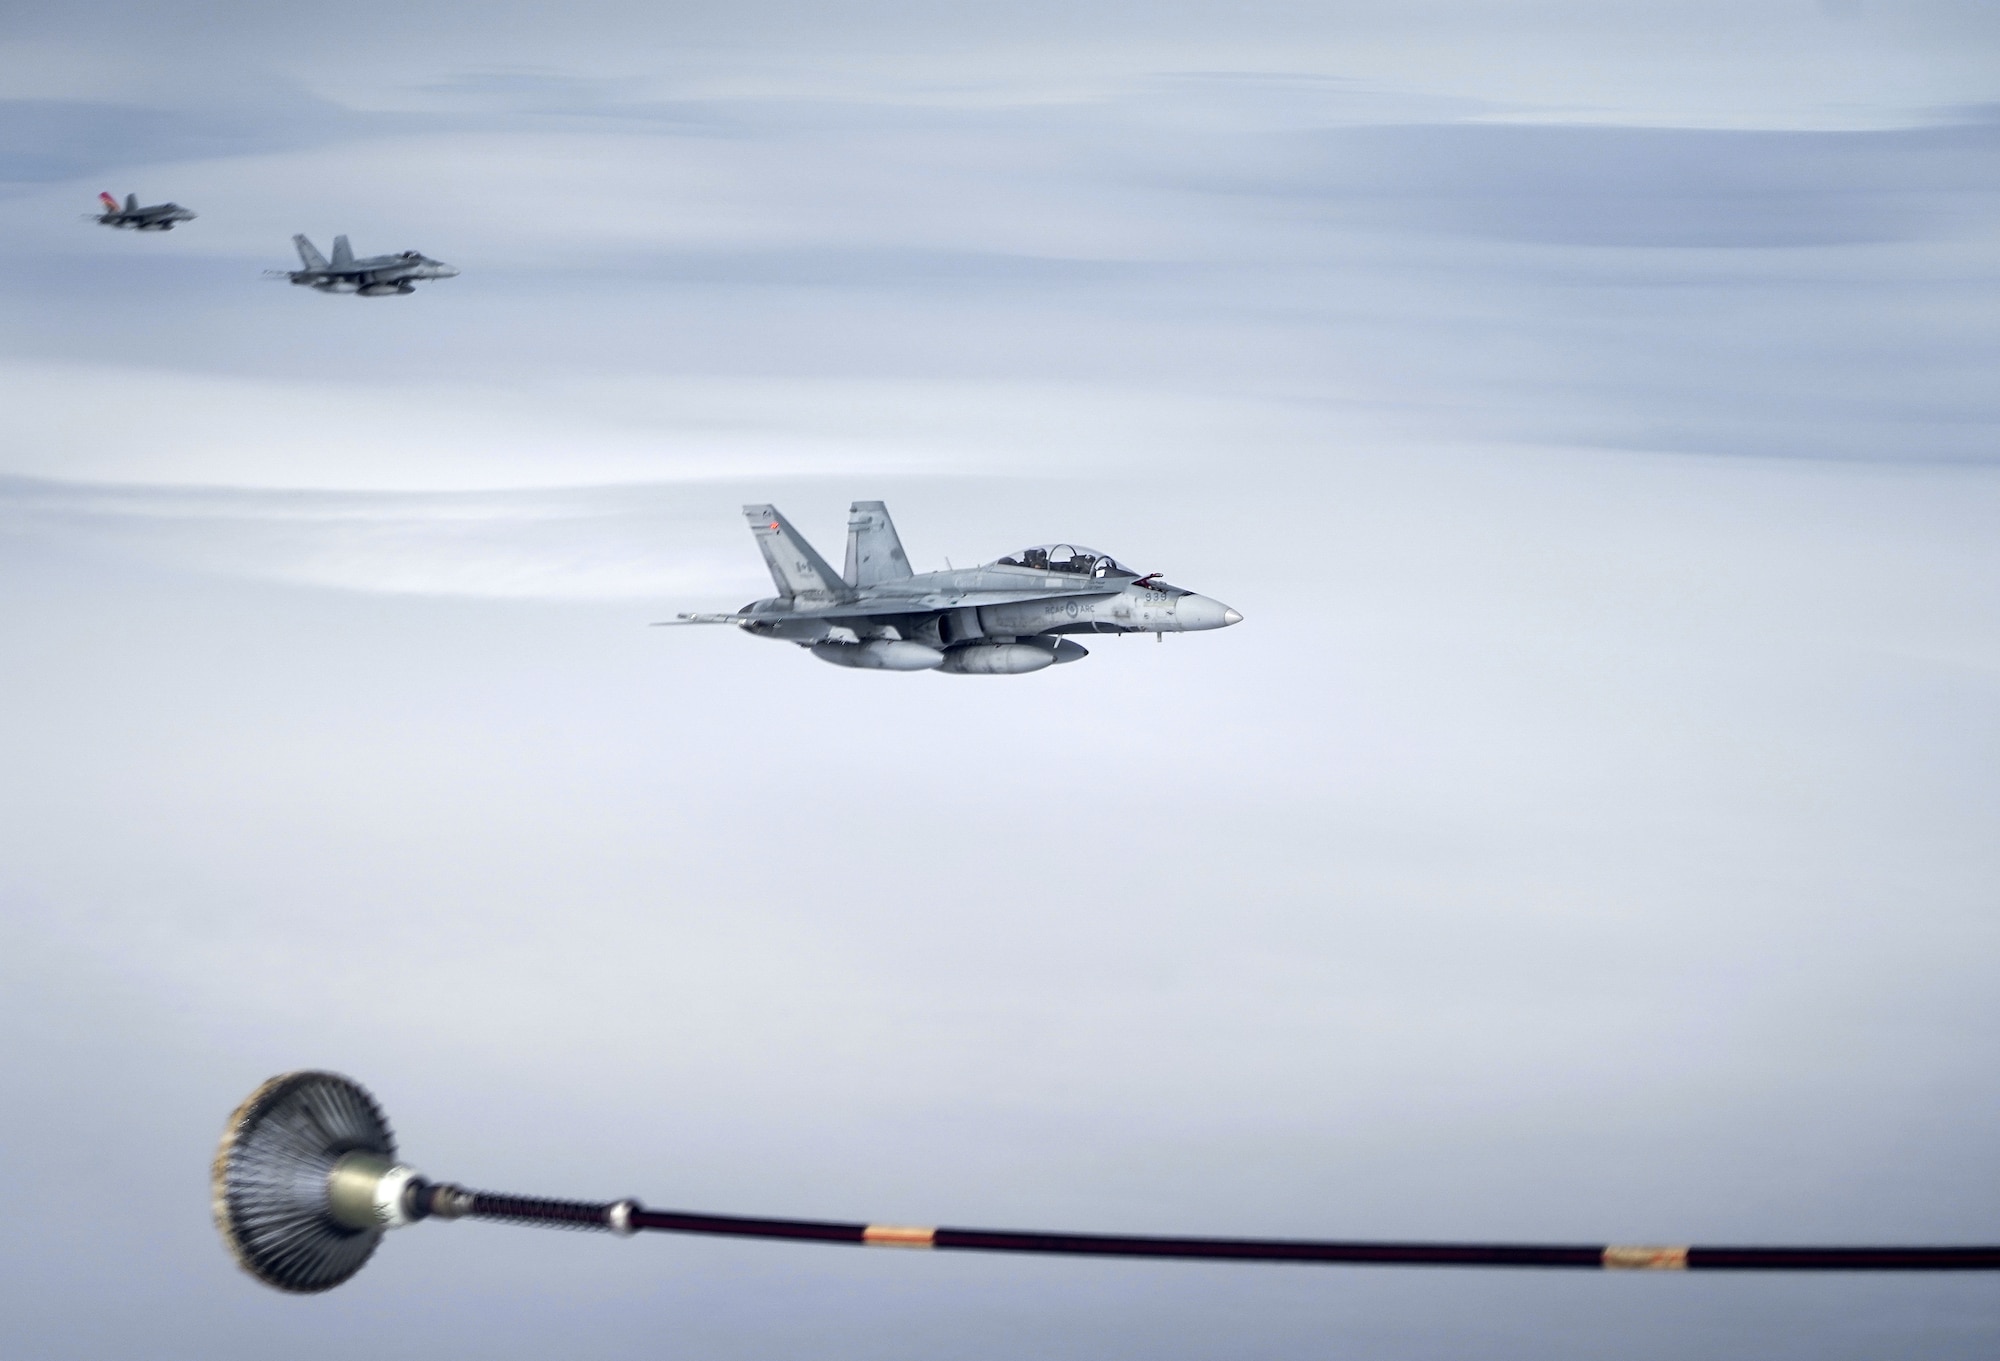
(161, 217)
(373, 277)
(1006, 618)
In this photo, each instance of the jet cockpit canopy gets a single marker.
(1069, 558)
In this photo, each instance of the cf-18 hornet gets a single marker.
(373, 277)
(1008, 617)
(161, 217)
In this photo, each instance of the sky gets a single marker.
(1585, 837)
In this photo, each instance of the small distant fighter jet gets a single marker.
(1003, 619)
(161, 217)
(373, 277)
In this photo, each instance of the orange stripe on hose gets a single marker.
(1645, 1259)
(898, 1236)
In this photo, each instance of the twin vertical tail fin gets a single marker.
(131, 203)
(874, 553)
(343, 256)
(795, 567)
(110, 203)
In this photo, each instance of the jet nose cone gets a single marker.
(1194, 612)
(448, 271)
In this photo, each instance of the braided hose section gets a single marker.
(557, 1214)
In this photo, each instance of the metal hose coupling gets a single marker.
(365, 1191)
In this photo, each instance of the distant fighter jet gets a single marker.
(161, 217)
(1002, 619)
(373, 277)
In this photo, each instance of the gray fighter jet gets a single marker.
(372, 278)
(1008, 617)
(161, 217)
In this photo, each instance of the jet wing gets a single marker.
(932, 601)
(883, 607)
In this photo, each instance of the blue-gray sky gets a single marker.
(1587, 835)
